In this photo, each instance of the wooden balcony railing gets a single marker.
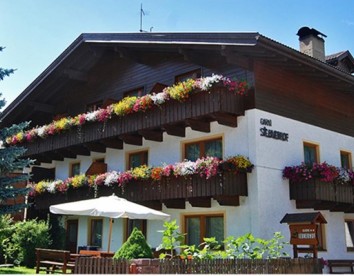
(323, 195)
(172, 117)
(225, 187)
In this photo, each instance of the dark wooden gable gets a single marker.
(314, 217)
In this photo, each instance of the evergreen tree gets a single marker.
(135, 247)
(11, 162)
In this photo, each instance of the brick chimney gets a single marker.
(312, 43)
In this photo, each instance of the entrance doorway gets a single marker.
(71, 235)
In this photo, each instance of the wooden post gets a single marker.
(110, 234)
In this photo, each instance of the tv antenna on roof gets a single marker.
(142, 12)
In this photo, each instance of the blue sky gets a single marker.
(35, 32)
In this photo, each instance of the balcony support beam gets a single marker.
(152, 135)
(177, 203)
(42, 158)
(113, 143)
(199, 125)
(175, 130)
(228, 200)
(200, 202)
(79, 150)
(95, 146)
(67, 153)
(229, 120)
(132, 139)
(153, 204)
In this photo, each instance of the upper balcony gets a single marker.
(197, 111)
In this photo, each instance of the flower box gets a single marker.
(184, 187)
(313, 189)
(322, 195)
(43, 201)
(104, 190)
(81, 193)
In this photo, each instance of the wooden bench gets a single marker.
(348, 264)
(53, 261)
(91, 253)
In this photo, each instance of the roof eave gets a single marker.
(77, 42)
(304, 59)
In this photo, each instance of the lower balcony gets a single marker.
(321, 195)
(173, 192)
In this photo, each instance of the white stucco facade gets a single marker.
(268, 193)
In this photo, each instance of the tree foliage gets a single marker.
(135, 247)
(11, 162)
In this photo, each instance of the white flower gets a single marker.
(42, 131)
(206, 83)
(51, 187)
(111, 178)
(159, 98)
(185, 168)
(344, 175)
(92, 116)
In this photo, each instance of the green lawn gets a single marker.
(17, 270)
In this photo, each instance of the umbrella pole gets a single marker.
(110, 234)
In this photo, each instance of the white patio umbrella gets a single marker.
(108, 206)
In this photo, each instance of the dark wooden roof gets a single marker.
(342, 58)
(87, 49)
(315, 217)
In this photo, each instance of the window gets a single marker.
(93, 106)
(137, 159)
(198, 227)
(75, 169)
(346, 160)
(204, 148)
(137, 92)
(96, 233)
(189, 75)
(138, 223)
(321, 237)
(311, 153)
(349, 234)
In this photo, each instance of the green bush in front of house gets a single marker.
(242, 247)
(135, 247)
(29, 235)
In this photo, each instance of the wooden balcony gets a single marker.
(172, 117)
(323, 196)
(173, 192)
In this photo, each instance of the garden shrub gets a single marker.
(242, 247)
(135, 247)
(29, 235)
(6, 229)
(57, 233)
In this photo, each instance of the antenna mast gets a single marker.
(141, 17)
(142, 13)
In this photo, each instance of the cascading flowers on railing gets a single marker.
(128, 105)
(204, 167)
(322, 171)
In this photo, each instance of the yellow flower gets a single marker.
(19, 136)
(63, 123)
(41, 186)
(241, 162)
(142, 172)
(181, 90)
(125, 106)
(78, 180)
